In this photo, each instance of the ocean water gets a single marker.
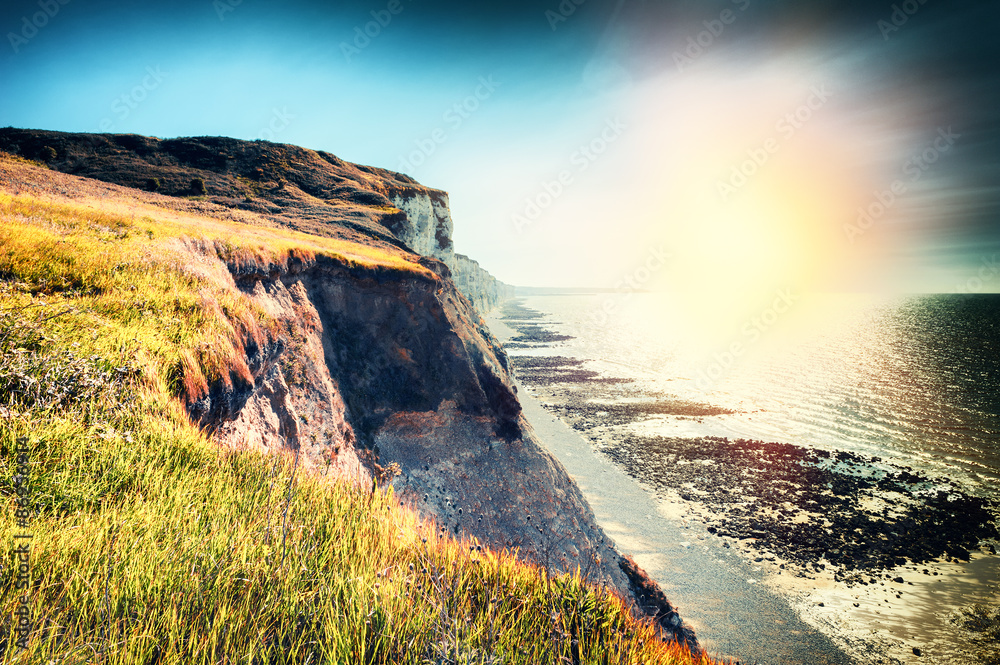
(913, 380)
(901, 382)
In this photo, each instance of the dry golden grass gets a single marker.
(157, 275)
(151, 545)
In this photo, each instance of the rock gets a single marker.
(427, 230)
(484, 290)
(426, 227)
(897, 580)
(917, 651)
(380, 371)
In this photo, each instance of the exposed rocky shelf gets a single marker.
(859, 515)
(811, 507)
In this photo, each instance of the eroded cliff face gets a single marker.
(427, 227)
(362, 368)
(484, 290)
(293, 402)
(376, 369)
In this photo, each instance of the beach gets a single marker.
(718, 594)
(748, 537)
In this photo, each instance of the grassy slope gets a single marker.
(150, 544)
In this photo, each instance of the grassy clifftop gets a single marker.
(303, 189)
(150, 544)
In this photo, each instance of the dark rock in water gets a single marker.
(778, 483)
(514, 310)
(535, 334)
(897, 580)
(622, 414)
(917, 651)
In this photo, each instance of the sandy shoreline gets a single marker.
(741, 603)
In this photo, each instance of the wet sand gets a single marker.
(749, 593)
(891, 617)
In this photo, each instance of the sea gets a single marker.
(913, 379)
(904, 381)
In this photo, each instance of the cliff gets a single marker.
(306, 190)
(484, 290)
(427, 230)
(342, 345)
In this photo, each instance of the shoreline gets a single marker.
(874, 620)
(715, 592)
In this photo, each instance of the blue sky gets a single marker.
(575, 138)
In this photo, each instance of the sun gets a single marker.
(747, 205)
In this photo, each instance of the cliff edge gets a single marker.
(311, 191)
(344, 345)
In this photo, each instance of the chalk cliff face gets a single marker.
(484, 290)
(427, 227)
(370, 370)
(427, 230)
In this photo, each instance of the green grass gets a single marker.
(150, 544)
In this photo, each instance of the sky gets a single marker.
(721, 149)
